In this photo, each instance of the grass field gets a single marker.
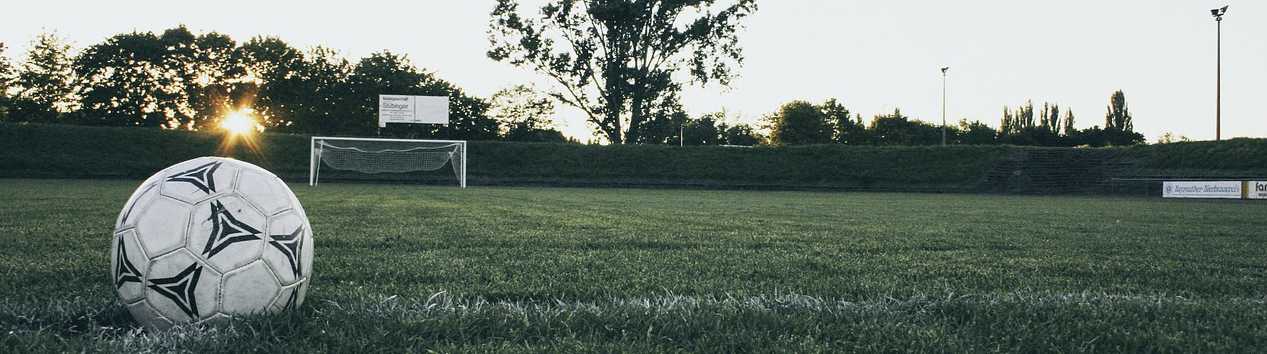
(410, 268)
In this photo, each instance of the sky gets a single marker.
(874, 56)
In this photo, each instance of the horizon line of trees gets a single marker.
(179, 80)
(805, 123)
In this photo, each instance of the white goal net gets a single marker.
(410, 157)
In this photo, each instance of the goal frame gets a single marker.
(313, 161)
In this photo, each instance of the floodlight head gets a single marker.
(944, 69)
(1219, 12)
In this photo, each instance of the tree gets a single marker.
(180, 69)
(664, 126)
(898, 129)
(798, 123)
(323, 78)
(524, 115)
(45, 81)
(1050, 119)
(272, 90)
(214, 78)
(1017, 122)
(1119, 128)
(6, 79)
(976, 133)
(742, 135)
(121, 81)
(617, 60)
(1119, 116)
(6, 72)
(845, 129)
(1019, 127)
(708, 129)
(173, 80)
(1069, 128)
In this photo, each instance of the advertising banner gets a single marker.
(1256, 190)
(1203, 189)
(412, 109)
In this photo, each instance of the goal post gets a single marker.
(375, 156)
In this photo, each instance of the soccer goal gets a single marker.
(403, 159)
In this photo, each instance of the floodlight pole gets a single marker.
(943, 104)
(1218, 90)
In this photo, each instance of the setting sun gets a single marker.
(238, 122)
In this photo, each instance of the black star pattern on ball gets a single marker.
(124, 272)
(226, 230)
(290, 245)
(180, 289)
(202, 177)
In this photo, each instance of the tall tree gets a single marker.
(216, 83)
(1025, 115)
(1069, 128)
(272, 90)
(1007, 125)
(172, 80)
(845, 128)
(617, 60)
(177, 77)
(46, 80)
(1119, 116)
(1119, 128)
(121, 81)
(1050, 118)
(798, 123)
(323, 78)
(6, 79)
(6, 71)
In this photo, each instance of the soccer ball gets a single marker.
(210, 238)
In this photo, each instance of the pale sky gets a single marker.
(872, 55)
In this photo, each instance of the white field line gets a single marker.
(440, 303)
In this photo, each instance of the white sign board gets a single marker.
(1256, 190)
(1202, 189)
(412, 109)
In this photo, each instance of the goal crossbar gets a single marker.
(404, 155)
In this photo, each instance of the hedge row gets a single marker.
(1235, 158)
(62, 151)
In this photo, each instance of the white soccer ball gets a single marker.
(210, 238)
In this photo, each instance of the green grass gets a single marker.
(409, 268)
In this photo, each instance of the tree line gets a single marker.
(801, 122)
(178, 80)
(623, 63)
